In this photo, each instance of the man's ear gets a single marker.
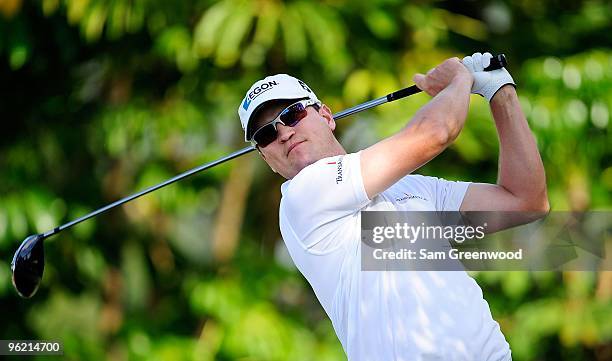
(326, 113)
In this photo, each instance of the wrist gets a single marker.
(503, 94)
(463, 80)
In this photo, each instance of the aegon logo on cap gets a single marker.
(256, 92)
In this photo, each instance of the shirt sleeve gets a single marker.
(442, 194)
(320, 196)
(448, 194)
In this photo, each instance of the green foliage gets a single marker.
(103, 98)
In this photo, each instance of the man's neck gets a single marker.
(334, 151)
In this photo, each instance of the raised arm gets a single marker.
(432, 129)
(521, 184)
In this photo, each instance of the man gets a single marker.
(392, 315)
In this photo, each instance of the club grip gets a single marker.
(497, 62)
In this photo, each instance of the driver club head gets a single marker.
(28, 265)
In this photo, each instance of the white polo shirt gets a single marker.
(383, 315)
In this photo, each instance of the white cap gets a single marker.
(274, 87)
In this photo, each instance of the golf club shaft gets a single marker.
(151, 189)
(193, 171)
(497, 62)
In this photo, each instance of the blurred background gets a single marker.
(100, 99)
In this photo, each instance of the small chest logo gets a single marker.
(338, 170)
(408, 196)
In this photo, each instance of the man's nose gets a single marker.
(284, 132)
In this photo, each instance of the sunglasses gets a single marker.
(289, 117)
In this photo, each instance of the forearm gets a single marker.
(429, 132)
(444, 115)
(521, 171)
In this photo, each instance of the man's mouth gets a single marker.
(293, 146)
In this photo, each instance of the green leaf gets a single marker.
(19, 54)
(77, 9)
(94, 21)
(234, 32)
(381, 24)
(294, 35)
(206, 35)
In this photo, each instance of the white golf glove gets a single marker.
(486, 83)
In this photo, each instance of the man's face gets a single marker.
(297, 147)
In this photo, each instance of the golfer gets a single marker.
(392, 315)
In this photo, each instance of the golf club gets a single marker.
(29, 259)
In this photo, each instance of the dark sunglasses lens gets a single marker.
(292, 115)
(265, 135)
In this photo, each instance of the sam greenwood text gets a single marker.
(450, 254)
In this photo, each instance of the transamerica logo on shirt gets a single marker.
(338, 171)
